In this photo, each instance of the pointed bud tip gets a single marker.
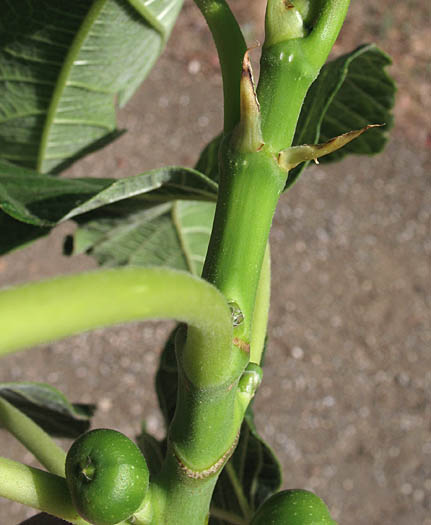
(248, 135)
(291, 157)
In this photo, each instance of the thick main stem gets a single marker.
(251, 180)
(178, 498)
(250, 186)
(204, 429)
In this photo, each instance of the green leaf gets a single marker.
(174, 234)
(208, 159)
(153, 450)
(167, 379)
(351, 92)
(16, 234)
(252, 474)
(48, 407)
(43, 201)
(64, 64)
(160, 185)
(46, 201)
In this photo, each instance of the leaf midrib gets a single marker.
(74, 50)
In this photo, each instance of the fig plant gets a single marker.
(62, 69)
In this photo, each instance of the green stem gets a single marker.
(201, 413)
(290, 64)
(250, 182)
(178, 498)
(38, 489)
(202, 437)
(250, 185)
(36, 440)
(261, 310)
(331, 15)
(207, 400)
(231, 47)
(44, 311)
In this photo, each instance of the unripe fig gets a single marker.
(293, 507)
(107, 476)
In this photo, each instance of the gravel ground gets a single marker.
(345, 401)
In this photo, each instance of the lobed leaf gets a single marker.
(48, 407)
(63, 66)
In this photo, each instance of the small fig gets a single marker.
(293, 507)
(107, 476)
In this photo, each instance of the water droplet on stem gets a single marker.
(237, 315)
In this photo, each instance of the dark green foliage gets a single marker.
(49, 408)
(101, 205)
(61, 74)
(351, 92)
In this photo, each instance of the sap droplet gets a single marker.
(237, 315)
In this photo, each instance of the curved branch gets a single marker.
(41, 312)
(38, 489)
(36, 440)
(231, 47)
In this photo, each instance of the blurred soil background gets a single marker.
(345, 401)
